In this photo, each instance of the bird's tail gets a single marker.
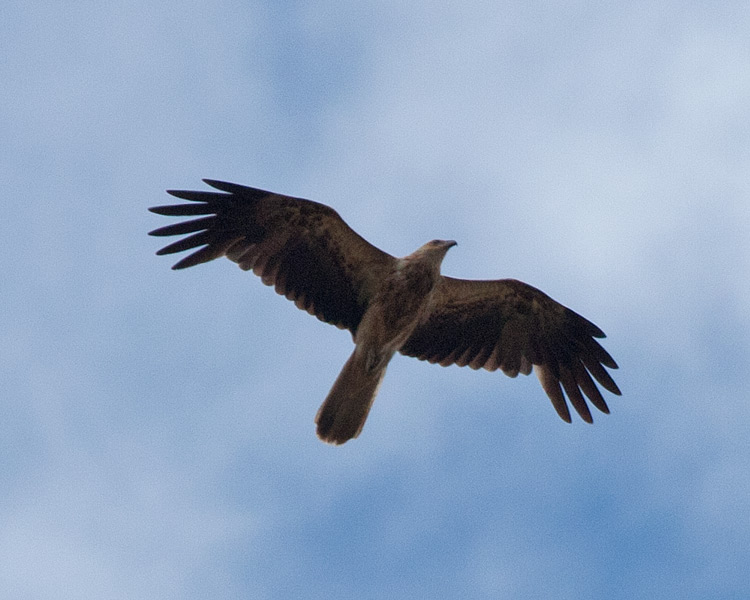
(344, 411)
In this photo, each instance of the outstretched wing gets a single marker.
(509, 325)
(302, 248)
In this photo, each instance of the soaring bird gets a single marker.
(308, 253)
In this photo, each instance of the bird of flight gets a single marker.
(309, 254)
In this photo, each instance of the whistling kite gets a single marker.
(310, 255)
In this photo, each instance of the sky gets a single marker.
(157, 438)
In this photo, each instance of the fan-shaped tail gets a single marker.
(344, 411)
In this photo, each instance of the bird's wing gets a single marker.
(509, 325)
(302, 248)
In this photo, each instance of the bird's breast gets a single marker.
(397, 308)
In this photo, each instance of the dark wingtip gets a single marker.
(246, 192)
(190, 195)
(184, 263)
(160, 231)
(225, 186)
(182, 194)
(595, 331)
(164, 210)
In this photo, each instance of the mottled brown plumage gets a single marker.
(310, 255)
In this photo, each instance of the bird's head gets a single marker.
(434, 252)
(438, 247)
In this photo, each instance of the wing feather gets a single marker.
(584, 381)
(509, 325)
(551, 386)
(303, 249)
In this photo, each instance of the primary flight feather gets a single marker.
(309, 254)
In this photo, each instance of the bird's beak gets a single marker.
(450, 243)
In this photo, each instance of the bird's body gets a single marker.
(308, 253)
(401, 303)
(403, 298)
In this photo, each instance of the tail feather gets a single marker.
(344, 411)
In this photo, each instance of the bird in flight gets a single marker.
(308, 253)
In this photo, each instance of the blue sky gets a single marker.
(157, 438)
